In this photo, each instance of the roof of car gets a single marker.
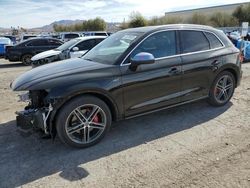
(95, 32)
(91, 37)
(171, 26)
(39, 38)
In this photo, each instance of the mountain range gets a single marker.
(49, 28)
(60, 22)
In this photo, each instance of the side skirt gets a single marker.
(164, 108)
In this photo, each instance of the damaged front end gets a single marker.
(36, 114)
(43, 61)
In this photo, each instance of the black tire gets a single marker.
(68, 113)
(26, 59)
(215, 92)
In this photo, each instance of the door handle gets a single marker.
(174, 70)
(215, 64)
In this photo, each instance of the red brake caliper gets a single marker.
(96, 119)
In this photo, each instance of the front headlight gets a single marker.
(24, 97)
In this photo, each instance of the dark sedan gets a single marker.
(28, 48)
(131, 73)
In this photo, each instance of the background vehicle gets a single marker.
(3, 43)
(28, 48)
(68, 36)
(131, 73)
(96, 33)
(71, 49)
(12, 38)
(25, 37)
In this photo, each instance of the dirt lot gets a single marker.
(195, 145)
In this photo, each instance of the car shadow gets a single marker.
(11, 65)
(23, 160)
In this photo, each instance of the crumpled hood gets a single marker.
(45, 54)
(54, 70)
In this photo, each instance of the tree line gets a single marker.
(218, 19)
(97, 24)
(136, 19)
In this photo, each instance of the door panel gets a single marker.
(157, 85)
(198, 63)
(151, 86)
(197, 74)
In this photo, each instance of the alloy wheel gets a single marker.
(224, 89)
(86, 123)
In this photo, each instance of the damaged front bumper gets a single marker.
(33, 119)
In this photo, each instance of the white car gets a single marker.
(69, 36)
(71, 49)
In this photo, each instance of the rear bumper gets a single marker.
(12, 57)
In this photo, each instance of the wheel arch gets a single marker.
(104, 97)
(233, 70)
(108, 100)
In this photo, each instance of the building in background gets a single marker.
(207, 11)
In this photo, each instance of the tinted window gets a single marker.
(86, 45)
(214, 41)
(193, 41)
(161, 44)
(54, 43)
(37, 43)
(71, 36)
(100, 34)
(97, 41)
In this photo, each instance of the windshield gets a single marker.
(109, 50)
(68, 44)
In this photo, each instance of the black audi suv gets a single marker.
(131, 73)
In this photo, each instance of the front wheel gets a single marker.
(222, 89)
(83, 121)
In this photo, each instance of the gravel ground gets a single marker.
(195, 145)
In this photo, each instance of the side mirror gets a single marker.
(141, 58)
(75, 49)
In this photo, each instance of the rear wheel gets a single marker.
(222, 89)
(83, 121)
(26, 59)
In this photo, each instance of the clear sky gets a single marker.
(36, 13)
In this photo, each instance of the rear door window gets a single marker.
(162, 44)
(193, 41)
(214, 41)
